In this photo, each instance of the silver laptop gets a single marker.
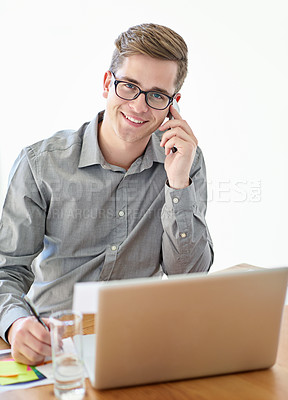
(188, 326)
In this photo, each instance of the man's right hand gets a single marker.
(29, 340)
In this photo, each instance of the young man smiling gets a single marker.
(122, 197)
(128, 125)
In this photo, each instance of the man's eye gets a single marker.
(129, 86)
(157, 96)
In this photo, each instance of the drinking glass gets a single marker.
(66, 342)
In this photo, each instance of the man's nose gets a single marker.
(139, 104)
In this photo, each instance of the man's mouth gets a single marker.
(134, 120)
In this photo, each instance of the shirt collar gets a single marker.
(92, 155)
(90, 152)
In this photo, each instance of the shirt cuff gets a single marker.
(190, 182)
(181, 199)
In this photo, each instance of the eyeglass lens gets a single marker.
(128, 91)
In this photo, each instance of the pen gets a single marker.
(33, 310)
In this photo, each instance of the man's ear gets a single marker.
(106, 83)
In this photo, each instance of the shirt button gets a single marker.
(183, 235)
(175, 200)
(113, 248)
(121, 213)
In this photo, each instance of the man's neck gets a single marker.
(118, 152)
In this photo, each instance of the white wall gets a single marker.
(54, 54)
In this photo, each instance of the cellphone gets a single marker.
(176, 105)
(170, 116)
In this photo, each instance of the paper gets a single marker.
(15, 376)
(85, 298)
(6, 355)
(11, 368)
(12, 372)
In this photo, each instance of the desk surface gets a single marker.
(271, 384)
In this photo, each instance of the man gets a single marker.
(122, 197)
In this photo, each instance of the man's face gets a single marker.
(134, 121)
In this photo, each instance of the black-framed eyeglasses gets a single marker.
(130, 91)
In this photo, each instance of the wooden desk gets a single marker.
(269, 384)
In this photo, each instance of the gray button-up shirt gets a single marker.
(69, 216)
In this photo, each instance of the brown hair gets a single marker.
(156, 41)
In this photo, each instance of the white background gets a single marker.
(54, 55)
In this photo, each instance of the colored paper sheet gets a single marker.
(12, 372)
(45, 377)
(12, 368)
